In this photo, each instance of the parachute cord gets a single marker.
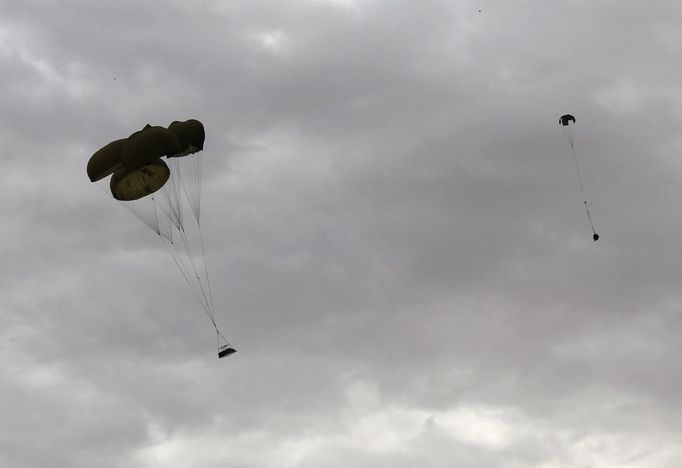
(193, 169)
(174, 201)
(169, 209)
(175, 255)
(219, 335)
(185, 182)
(196, 274)
(137, 210)
(196, 164)
(587, 210)
(174, 214)
(173, 195)
(203, 255)
(198, 171)
(582, 189)
(198, 292)
(210, 294)
(165, 229)
(192, 166)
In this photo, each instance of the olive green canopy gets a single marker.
(134, 184)
(147, 145)
(190, 134)
(134, 161)
(105, 161)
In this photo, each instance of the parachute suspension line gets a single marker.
(147, 218)
(171, 212)
(194, 165)
(185, 180)
(190, 273)
(175, 255)
(195, 271)
(203, 256)
(193, 194)
(164, 222)
(165, 231)
(173, 197)
(191, 166)
(582, 189)
(198, 176)
(137, 210)
(156, 216)
(174, 201)
(197, 169)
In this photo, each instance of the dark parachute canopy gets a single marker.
(566, 120)
(190, 135)
(148, 144)
(128, 185)
(106, 160)
(156, 193)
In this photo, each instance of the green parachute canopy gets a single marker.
(106, 160)
(147, 145)
(190, 135)
(127, 185)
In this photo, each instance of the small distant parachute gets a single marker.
(567, 123)
(156, 191)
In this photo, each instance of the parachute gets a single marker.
(106, 161)
(156, 192)
(128, 185)
(567, 123)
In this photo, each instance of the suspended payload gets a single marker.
(157, 192)
(225, 351)
(567, 123)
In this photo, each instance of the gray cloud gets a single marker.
(394, 231)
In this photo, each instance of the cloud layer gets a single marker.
(396, 239)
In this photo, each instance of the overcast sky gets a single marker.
(396, 239)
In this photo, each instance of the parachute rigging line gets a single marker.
(595, 236)
(191, 272)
